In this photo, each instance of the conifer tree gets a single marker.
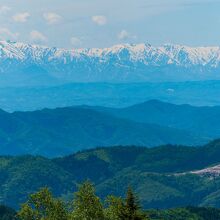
(132, 208)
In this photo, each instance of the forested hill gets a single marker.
(163, 177)
(203, 120)
(192, 213)
(62, 131)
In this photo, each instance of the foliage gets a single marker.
(191, 213)
(160, 176)
(86, 205)
(115, 208)
(43, 206)
(132, 208)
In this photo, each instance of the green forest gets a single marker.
(161, 176)
(86, 205)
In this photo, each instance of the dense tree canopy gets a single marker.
(86, 205)
(43, 206)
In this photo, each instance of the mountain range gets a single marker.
(163, 177)
(25, 65)
(117, 95)
(203, 120)
(61, 131)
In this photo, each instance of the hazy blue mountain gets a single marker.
(67, 130)
(163, 177)
(117, 95)
(35, 77)
(204, 121)
(23, 64)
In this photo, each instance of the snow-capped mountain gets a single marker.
(32, 64)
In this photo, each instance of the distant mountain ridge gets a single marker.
(203, 120)
(118, 95)
(55, 132)
(120, 63)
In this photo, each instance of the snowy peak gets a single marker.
(167, 54)
(191, 55)
(120, 63)
(9, 50)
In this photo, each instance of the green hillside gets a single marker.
(161, 176)
(44, 205)
(191, 213)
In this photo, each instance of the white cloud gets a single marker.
(5, 33)
(37, 37)
(75, 41)
(4, 9)
(21, 17)
(52, 18)
(125, 35)
(99, 20)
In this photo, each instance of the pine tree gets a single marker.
(132, 208)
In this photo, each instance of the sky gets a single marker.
(102, 23)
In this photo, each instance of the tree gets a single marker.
(42, 206)
(128, 209)
(132, 208)
(115, 208)
(87, 206)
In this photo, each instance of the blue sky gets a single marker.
(101, 23)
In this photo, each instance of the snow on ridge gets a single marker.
(150, 55)
(7, 50)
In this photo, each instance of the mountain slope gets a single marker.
(164, 159)
(22, 175)
(161, 176)
(203, 121)
(67, 130)
(23, 64)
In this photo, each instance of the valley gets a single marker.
(109, 110)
